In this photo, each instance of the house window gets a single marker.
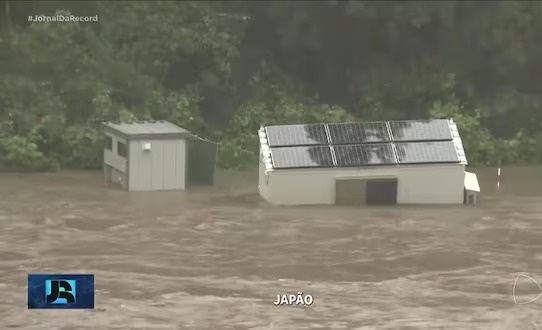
(121, 149)
(109, 143)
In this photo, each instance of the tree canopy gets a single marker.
(221, 69)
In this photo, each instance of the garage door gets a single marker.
(382, 191)
(366, 191)
(350, 191)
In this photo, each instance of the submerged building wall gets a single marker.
(427, 184)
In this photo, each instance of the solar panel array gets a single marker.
(359, 133)
(296, 135)
(305, 156)
(426, 152)
(421, 130)
(364, 155)
(361, 144)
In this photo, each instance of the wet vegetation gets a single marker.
(222, 69)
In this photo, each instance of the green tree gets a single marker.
(223, 69)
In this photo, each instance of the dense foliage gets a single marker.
(223, 69)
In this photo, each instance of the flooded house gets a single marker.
(156, 155)
(367, 163)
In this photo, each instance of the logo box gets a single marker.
(60, 291)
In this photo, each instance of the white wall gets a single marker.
(418, 184)
(431, 185)
(262, 180)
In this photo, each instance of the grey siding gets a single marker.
(157, 165)
(180, 178)
(140, 168)
(161, 168)
(171, 166)
(133, 176)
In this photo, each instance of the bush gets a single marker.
(480, 146)
(21, 154)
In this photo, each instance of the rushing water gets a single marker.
(217, 258)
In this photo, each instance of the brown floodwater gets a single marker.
(216, 258)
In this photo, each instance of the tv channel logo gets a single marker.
(60, 291)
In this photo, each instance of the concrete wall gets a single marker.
(417, 184)
(161, 168)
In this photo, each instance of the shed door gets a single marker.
(382, 191)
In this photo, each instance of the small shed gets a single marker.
(156, 155)
(472, 188)
(385, 162)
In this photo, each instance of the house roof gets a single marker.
(406, 142)
(147, 129)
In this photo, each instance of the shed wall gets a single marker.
(422, 184)
(112, 158)
(117, 177)
(180, 178)
(161, 168)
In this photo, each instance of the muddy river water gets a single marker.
(217, 258)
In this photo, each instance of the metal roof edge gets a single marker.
(369, 167)
(156, 136)
(110, 127)
(265, 150)
(409, 120)
(112, 130)
(458, 142)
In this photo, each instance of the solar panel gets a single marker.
(298, 157)
(421, 130)
(296, 135)
(364, 154)
(427, 152)
(350, 133)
